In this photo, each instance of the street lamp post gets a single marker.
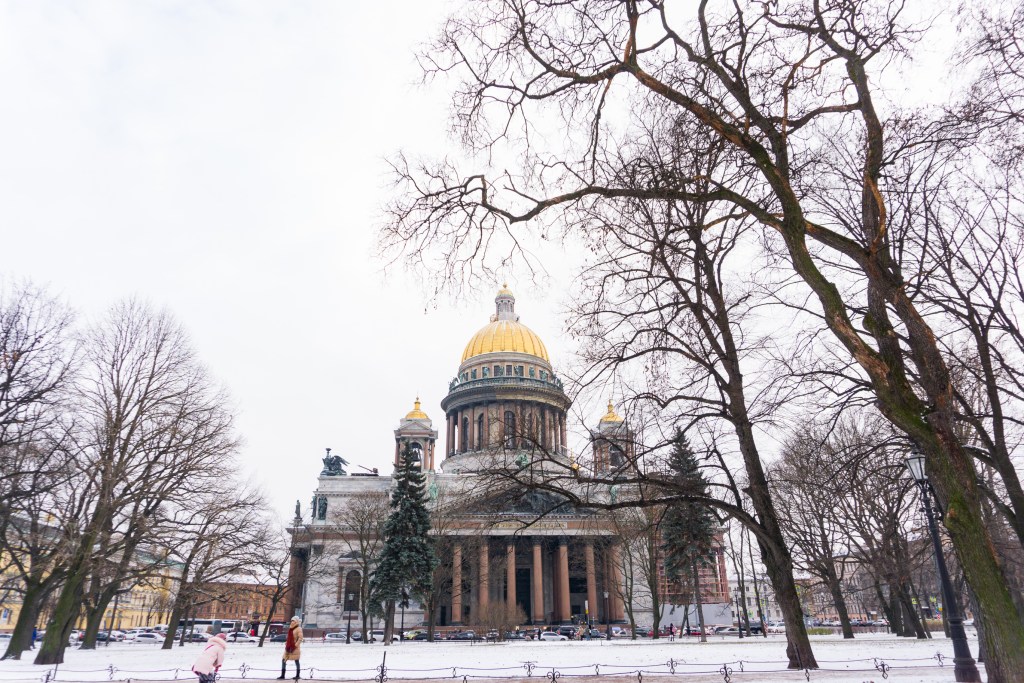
(348, 629)
(607, 616)
(964, 668)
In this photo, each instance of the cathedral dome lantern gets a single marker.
(506, 394)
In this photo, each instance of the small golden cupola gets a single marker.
(416, 413)
(611, 415)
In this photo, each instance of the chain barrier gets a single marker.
(882, 667)
(727, 670)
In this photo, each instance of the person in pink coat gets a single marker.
(210, 659)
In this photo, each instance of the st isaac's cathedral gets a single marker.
(555, 562)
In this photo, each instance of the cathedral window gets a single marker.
(464, 441)
(510, 429)
(479, 432)
(533, 371)
(472, 373)
(487, 372)
(519, 371)
(508, 370)
(498, 371)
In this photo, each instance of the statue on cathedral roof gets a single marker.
(334, 465)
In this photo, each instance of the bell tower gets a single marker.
(614, 450)
(416, 430)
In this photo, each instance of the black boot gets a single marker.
(296, 669)
(283, 665)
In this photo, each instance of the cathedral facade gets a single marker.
(555, 562)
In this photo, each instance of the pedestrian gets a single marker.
(35, 634)
(210, 659)
(292, 648)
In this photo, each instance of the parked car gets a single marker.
(196, 637)
(339, 637)
(283, 637)
(515, 635)
(567, 631)
(241, 637)
(149, 638)
(5, 638)
(465, 635)
(552, 635)
(594, 634)
(377, 635)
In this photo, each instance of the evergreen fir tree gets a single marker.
(407, 560)
(688, 527)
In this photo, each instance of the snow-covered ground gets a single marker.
(757, 659)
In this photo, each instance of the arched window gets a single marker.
(353, 584)
(510, 429)
(479, 432)
(617, 457)
(464, 441)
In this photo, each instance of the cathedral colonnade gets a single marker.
(551, 578)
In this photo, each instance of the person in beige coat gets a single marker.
(292, 648)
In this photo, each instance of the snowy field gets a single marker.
(758, 659)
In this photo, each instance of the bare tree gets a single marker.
(154, 428)
(361, 525)
(806, 489)
(270, 569)
(792, 90)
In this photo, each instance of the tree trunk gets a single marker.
(697, 601)
(389, 621)
(63, 619)
(28, 617)
(772, 544)
(431, 620)
(836, 589)
(94, 617)
(757, 591)
(913, 622)
(172, 623)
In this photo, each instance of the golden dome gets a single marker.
(416, 413)
(611, 415)
(505, 335)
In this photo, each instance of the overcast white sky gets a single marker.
(226, 160)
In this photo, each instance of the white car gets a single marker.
(147, 638)
(551, 635)
(336, 637)
(241, 637)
